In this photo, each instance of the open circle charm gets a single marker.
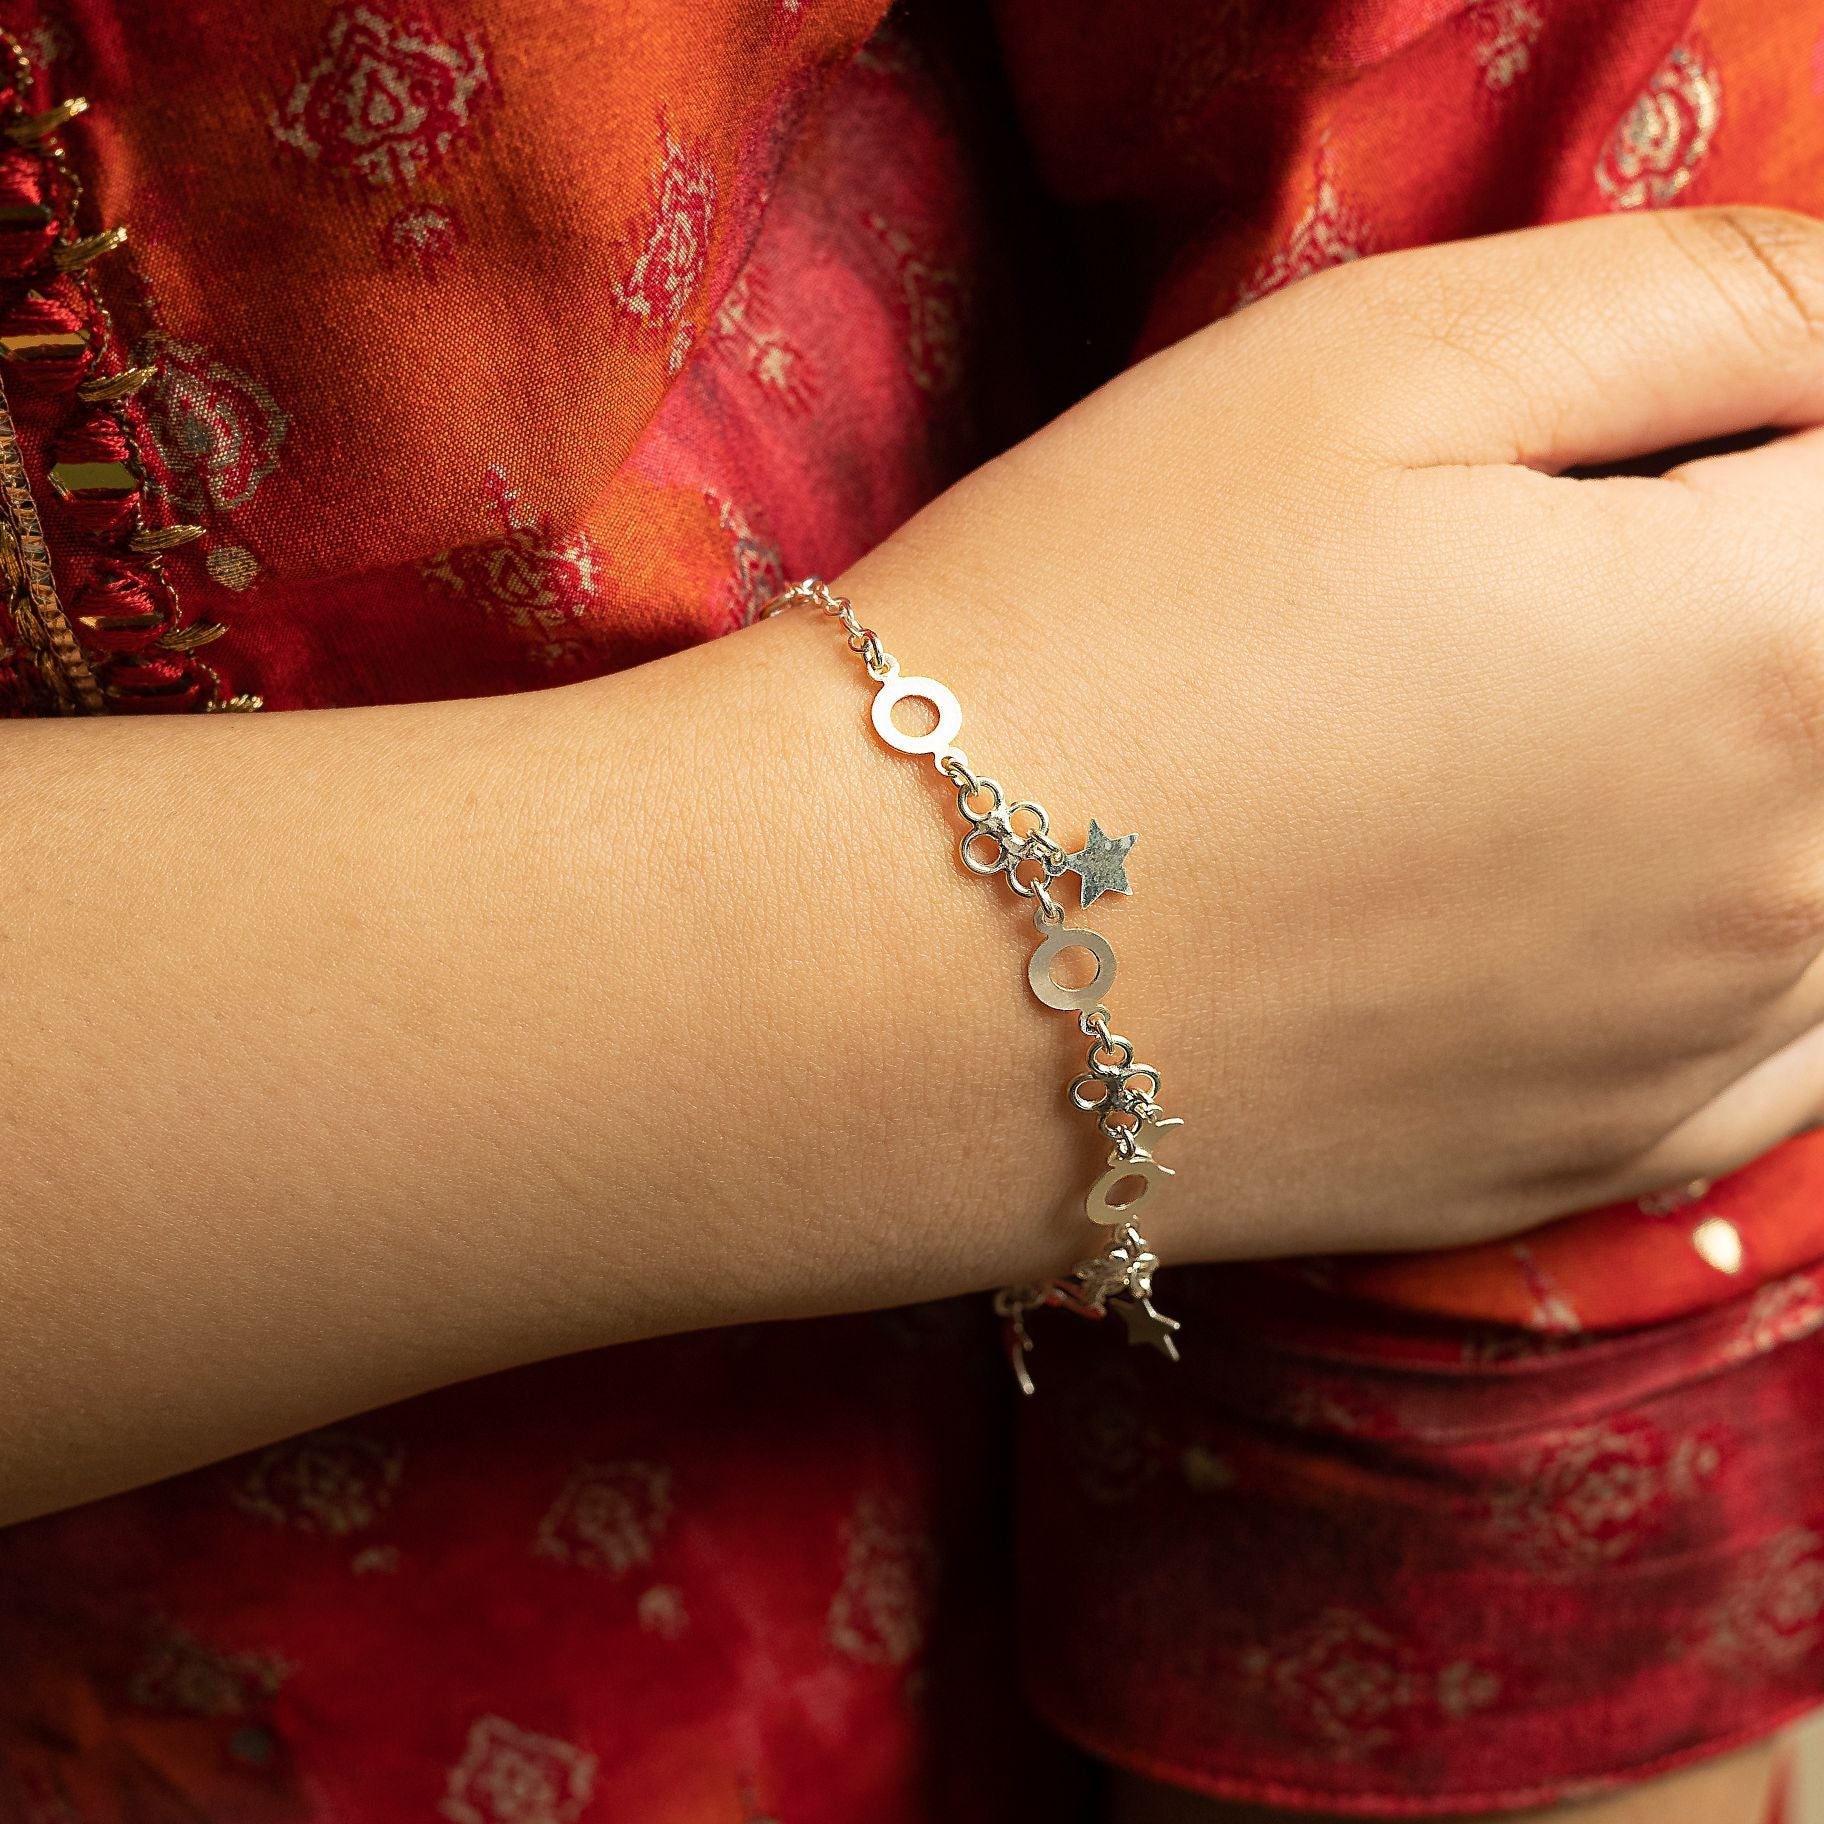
(894, 690)
(1146, 1169)
(1072, 1000)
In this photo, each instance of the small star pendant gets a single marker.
(1101, 863)
(1147, 1328)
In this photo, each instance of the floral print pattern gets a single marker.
(385, 100)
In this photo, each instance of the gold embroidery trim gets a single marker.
(25, 574)
(25, 569)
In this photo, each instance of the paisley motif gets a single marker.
(333, 1481)
(539, 579)
(1771, 1616)
(1507, 31)
(1329, 233)
(218, 429)
(932, 306)
(1352, 1684)
(422, 237)
(384, 100)
(1594, 1495)
(1658, 145)
(880, 1612)
(608, 1516)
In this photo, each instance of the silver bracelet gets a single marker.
(1122, 1095)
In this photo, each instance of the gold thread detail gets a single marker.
(1658, 146)
(72, 259)
(164, 538)
(94, 480)
(111, 387)
(187, 639)
(74, 256)
(43, 345)
(121, 623)
(30, 128)
(37, 612)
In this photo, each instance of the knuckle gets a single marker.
(1777, 924)
(1433, 296)
(1784, 700)
(1394, 338)
(1767, 263)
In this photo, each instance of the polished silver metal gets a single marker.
(1046, 910)
(1146, 1327)
(992, 866)
(1055, 994)
(1122, 1095)
(895, 689)
(1101, 864)
(1040, 828)
(1145, 1171)
(967, 794)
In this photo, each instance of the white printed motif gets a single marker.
(1658, 145)
(384, 100)
(509, 1775)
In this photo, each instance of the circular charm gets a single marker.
(1148, 1171)
(1071, 1000)
(896, 689)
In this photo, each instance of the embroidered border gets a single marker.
(124, 644)
(25, 570)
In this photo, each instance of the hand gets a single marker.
(1481, 873)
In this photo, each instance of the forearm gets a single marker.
(353, 1053)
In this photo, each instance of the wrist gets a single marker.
(1070, 969)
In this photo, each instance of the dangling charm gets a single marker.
(1016, 1339)
(1101, 864)
(1119, 1280)
(1147, 1327)
(1131, 1158)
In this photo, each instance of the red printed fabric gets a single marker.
(722, 1580)
(500, 346)
(1358, 1562)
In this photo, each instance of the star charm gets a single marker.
(1099, 1280)
(1101, 863)
(1147, 1328)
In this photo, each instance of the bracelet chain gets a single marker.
(1013, 839)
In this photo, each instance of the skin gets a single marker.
(354, 1053)
(1735, 1790)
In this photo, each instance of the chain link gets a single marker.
(863, 640)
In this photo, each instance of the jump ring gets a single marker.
(1086, 1081)
(1042, 823)
(969, 861)
(983, 784)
